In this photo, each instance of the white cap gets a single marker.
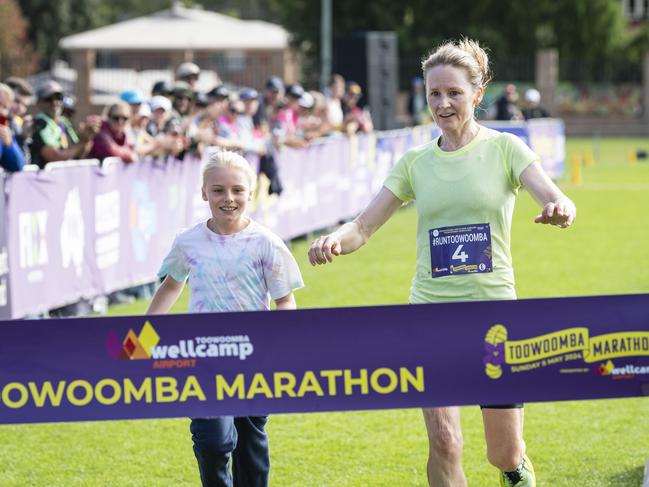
(532, 96)
(160, 102)
(187, 69)
(306, 100)
(144, 110)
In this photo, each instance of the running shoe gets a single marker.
(523, 476)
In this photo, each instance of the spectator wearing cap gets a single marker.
(253, 138)
(164, 128)
(182, 100)
(335, 95)
(144, 144)
(273, 95)
(532, 107)
(250, 99)
(228, 122)
(188, 73)
(113, 139)
(284, 123)
(199, 108)
(11, 155)
(305, 105)
(160, 115)
(312, 115)
(21, 122)
(54, 138)
(356, 119)
(208, 128)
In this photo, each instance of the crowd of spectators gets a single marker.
(174, 120)
(509, 106)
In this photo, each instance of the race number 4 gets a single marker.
(460, 249)
(459, 254)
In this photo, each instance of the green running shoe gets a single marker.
(523, 476)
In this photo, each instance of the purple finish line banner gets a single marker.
(257, 363)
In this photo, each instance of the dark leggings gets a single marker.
(244, 440)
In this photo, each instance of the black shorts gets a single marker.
(518, 405)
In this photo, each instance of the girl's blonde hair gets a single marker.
(229, 159)
(465, 53)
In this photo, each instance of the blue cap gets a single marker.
(132, 97)
(220, 91)
(275, 84)
(295, 91)
(248, 94)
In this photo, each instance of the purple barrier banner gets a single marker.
(257, 363)
(547, 138)
(79, 230)
(50, 230)
(5, 289)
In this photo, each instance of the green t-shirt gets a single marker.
(47, 132)
(476, 184)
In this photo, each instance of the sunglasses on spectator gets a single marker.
(118, 118)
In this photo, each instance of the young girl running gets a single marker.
(232, 264)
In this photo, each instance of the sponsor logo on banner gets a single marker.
(107, 224)
(73, 238)
(143, 222)
(32, 244)
(557, 349)
(627, 371)
(147, 346)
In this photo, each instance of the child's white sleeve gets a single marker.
(284, 275)
(175, 264)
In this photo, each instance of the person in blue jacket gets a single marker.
(11, 156)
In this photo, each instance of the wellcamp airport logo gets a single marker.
(183, 354)
(628, 371)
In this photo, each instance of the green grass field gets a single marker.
(587, 443)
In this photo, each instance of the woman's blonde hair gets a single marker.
(465, 53)
(229, 159)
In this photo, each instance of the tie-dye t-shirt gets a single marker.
(238, 272)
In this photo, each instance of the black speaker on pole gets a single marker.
(372, 60)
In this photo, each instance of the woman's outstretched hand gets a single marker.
(323, 249)
(561, 213)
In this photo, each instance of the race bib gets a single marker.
(463, 249)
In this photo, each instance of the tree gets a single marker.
(512, 29)
(51, 21)
(17, 57)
